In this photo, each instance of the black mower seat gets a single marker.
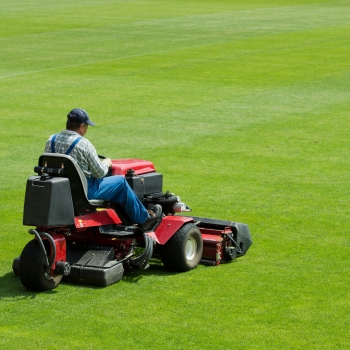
(56, 164)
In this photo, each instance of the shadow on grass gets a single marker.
(133, 275)
(11, 289)
(156, 269)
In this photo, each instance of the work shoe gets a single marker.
(155, 214)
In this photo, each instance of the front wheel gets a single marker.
(32, 269)
(183, 251)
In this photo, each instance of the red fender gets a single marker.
(168, 227)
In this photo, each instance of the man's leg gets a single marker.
(116, 189)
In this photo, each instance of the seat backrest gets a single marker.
(73, 172)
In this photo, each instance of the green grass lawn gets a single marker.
(244, 108)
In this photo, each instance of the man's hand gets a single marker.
(108, 161)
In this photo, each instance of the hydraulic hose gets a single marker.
(143, 260)
(48, 262)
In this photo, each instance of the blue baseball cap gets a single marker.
(78, 115)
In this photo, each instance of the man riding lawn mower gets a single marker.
(95, 218)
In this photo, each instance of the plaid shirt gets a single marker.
(84, 153)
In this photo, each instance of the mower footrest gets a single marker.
(117, 230)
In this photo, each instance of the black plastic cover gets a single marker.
(93, 265)
(146, 184)
(48, 202)
(102, 277)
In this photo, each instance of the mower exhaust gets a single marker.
(180, 206)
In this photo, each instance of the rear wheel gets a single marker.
(32, 268)
(183, 251)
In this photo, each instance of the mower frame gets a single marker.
(93, 241)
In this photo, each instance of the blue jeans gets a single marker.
(116, 189)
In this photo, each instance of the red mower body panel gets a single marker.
(61, 250)
(97, 218)
(140, 166)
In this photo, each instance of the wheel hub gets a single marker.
(191, 248)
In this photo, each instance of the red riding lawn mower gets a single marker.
(93, 241)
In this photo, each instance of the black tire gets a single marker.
(32, 269)
(183, 251)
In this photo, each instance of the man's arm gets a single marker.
(97, 167)
(108, 161)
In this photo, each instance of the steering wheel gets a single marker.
(109, 173)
